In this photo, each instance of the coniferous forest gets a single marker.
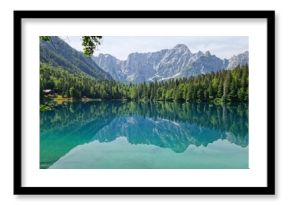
(225, 86)
(166, 109)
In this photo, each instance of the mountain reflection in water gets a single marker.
(116, 134)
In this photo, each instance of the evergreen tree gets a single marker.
(228, 86)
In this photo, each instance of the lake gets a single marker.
(144, 135)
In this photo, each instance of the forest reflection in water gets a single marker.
(121, 134)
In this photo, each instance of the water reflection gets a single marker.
(173, 126)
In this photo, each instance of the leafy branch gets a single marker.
(89, 43)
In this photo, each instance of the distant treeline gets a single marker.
(224, 86)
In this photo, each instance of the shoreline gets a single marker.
(52, 102)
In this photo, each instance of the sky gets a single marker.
(122, 46)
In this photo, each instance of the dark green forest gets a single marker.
(58, 53)
(222, 87)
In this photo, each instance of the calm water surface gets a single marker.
(124, 135)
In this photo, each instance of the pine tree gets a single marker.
(220, 90)
(227, 86)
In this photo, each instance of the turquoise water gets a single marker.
(145, 135)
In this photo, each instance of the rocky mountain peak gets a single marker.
(207, 54)
(181, 47)
(167, 63)
(240, 59)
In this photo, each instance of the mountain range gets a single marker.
(58, 53)
(166, 64)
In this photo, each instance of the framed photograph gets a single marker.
(159, 102)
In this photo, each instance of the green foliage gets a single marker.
(89, 43)
(45, 38)
(59, 54)
(226, 86)
(44, 107)
(78, 84)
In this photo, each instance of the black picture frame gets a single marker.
(268, 190)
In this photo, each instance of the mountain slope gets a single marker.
(111, 65)
(241, 59)
(58, 53)
(165, 64)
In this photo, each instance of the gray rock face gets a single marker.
(165, 64)
(241, 59)
(111, 64)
